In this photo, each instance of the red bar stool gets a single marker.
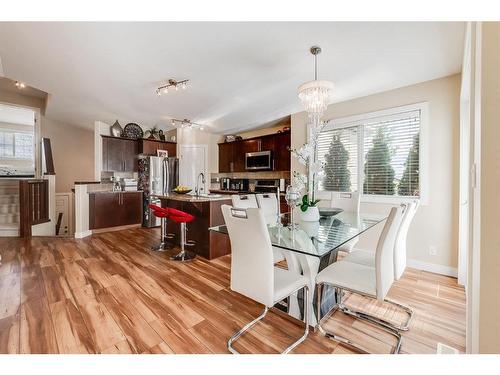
(183, 218)
(161, 213)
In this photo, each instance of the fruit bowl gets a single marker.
(182, 190)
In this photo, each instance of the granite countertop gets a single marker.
(87, 182)
(114, 191)
(192, 198)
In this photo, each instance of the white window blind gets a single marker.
(391, 154)
(388, 146)
(16, 145)
(338, 150)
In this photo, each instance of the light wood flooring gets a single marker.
(109, 294)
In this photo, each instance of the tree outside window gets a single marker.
(337, 174)
(379, 174)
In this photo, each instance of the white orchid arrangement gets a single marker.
(307, 156)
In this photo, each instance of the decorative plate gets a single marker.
(326, 212)
(133, 131)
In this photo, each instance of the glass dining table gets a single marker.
(309, 247)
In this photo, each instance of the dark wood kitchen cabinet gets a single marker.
(151, 146)
(226, 154)
(240, 149)
(113, 209)
(119, 154)
(281, 155)
(232, 154)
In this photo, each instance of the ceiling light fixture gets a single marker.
(20, 85)
(173, 84)
(315, 95)
(186, 124)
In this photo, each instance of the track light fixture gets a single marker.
(186, 124)
(172, 85)
(20, 85)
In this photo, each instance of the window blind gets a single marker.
(391, 154)
(338, 150)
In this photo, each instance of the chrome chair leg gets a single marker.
(365, 317)
(261, 316)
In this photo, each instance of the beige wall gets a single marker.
(72, 151)
(489, 323)
(435, 224)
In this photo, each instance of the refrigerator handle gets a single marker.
(166, 177)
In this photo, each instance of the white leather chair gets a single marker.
(349, 202)
(250, 201)
(270, 206)
(372, 282)
(400, 248)
(244, 201)
(367, 258)
(252, 270)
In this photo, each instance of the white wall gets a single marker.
(188, 136)
(489, 300)
(435, 224)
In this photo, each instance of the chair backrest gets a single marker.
(349, 202)
(244, 201)
(269, 205)
(325, 198)
(400, 244)
(252, 268)
(384, 255)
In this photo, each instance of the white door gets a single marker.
(193, 160)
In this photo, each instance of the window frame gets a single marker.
(358, 120)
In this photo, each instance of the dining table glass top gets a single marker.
(316, 238)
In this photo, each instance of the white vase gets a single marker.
(311, 214)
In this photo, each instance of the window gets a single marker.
(16, 145)
(377, 154)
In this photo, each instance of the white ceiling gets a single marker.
(16, 115)
(242, 74)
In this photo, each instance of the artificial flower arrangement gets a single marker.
(307, 156)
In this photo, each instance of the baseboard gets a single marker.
(434, 268)
(83, 234)
(9, 232)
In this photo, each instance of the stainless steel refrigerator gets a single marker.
(157, 176)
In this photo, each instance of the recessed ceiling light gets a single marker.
(20, 85)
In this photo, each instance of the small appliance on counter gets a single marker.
(239, 184)
(225, 183)
(128, 184)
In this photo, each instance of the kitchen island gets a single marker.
(207, 212)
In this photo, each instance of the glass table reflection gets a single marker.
(311, 246)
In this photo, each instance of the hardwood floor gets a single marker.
(110, 294)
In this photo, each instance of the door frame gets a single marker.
(204, 147)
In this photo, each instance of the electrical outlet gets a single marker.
(432, 250)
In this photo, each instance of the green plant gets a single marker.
(306, 203)
(154, 132)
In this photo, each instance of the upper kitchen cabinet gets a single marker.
(282, 142)
(226, 157)
(151, 147)
(232, 154)
(119, 154)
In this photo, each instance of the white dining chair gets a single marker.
(366, 257)
(372, 282)
(348, 202)
(253, 273)
(269, 204)
(250, 201)
(400, 248)
(244, 201)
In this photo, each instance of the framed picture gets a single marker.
(162, 153)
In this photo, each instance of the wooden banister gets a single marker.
(33, 204)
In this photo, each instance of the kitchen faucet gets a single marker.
(198, 189)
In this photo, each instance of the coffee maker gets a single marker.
(225, 183)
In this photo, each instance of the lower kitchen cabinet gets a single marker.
(113, 209)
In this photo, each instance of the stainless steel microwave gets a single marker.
(258, 160)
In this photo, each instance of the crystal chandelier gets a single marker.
(315, 95)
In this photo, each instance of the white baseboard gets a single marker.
(9, 232)
(83, 234)
(434, 268)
